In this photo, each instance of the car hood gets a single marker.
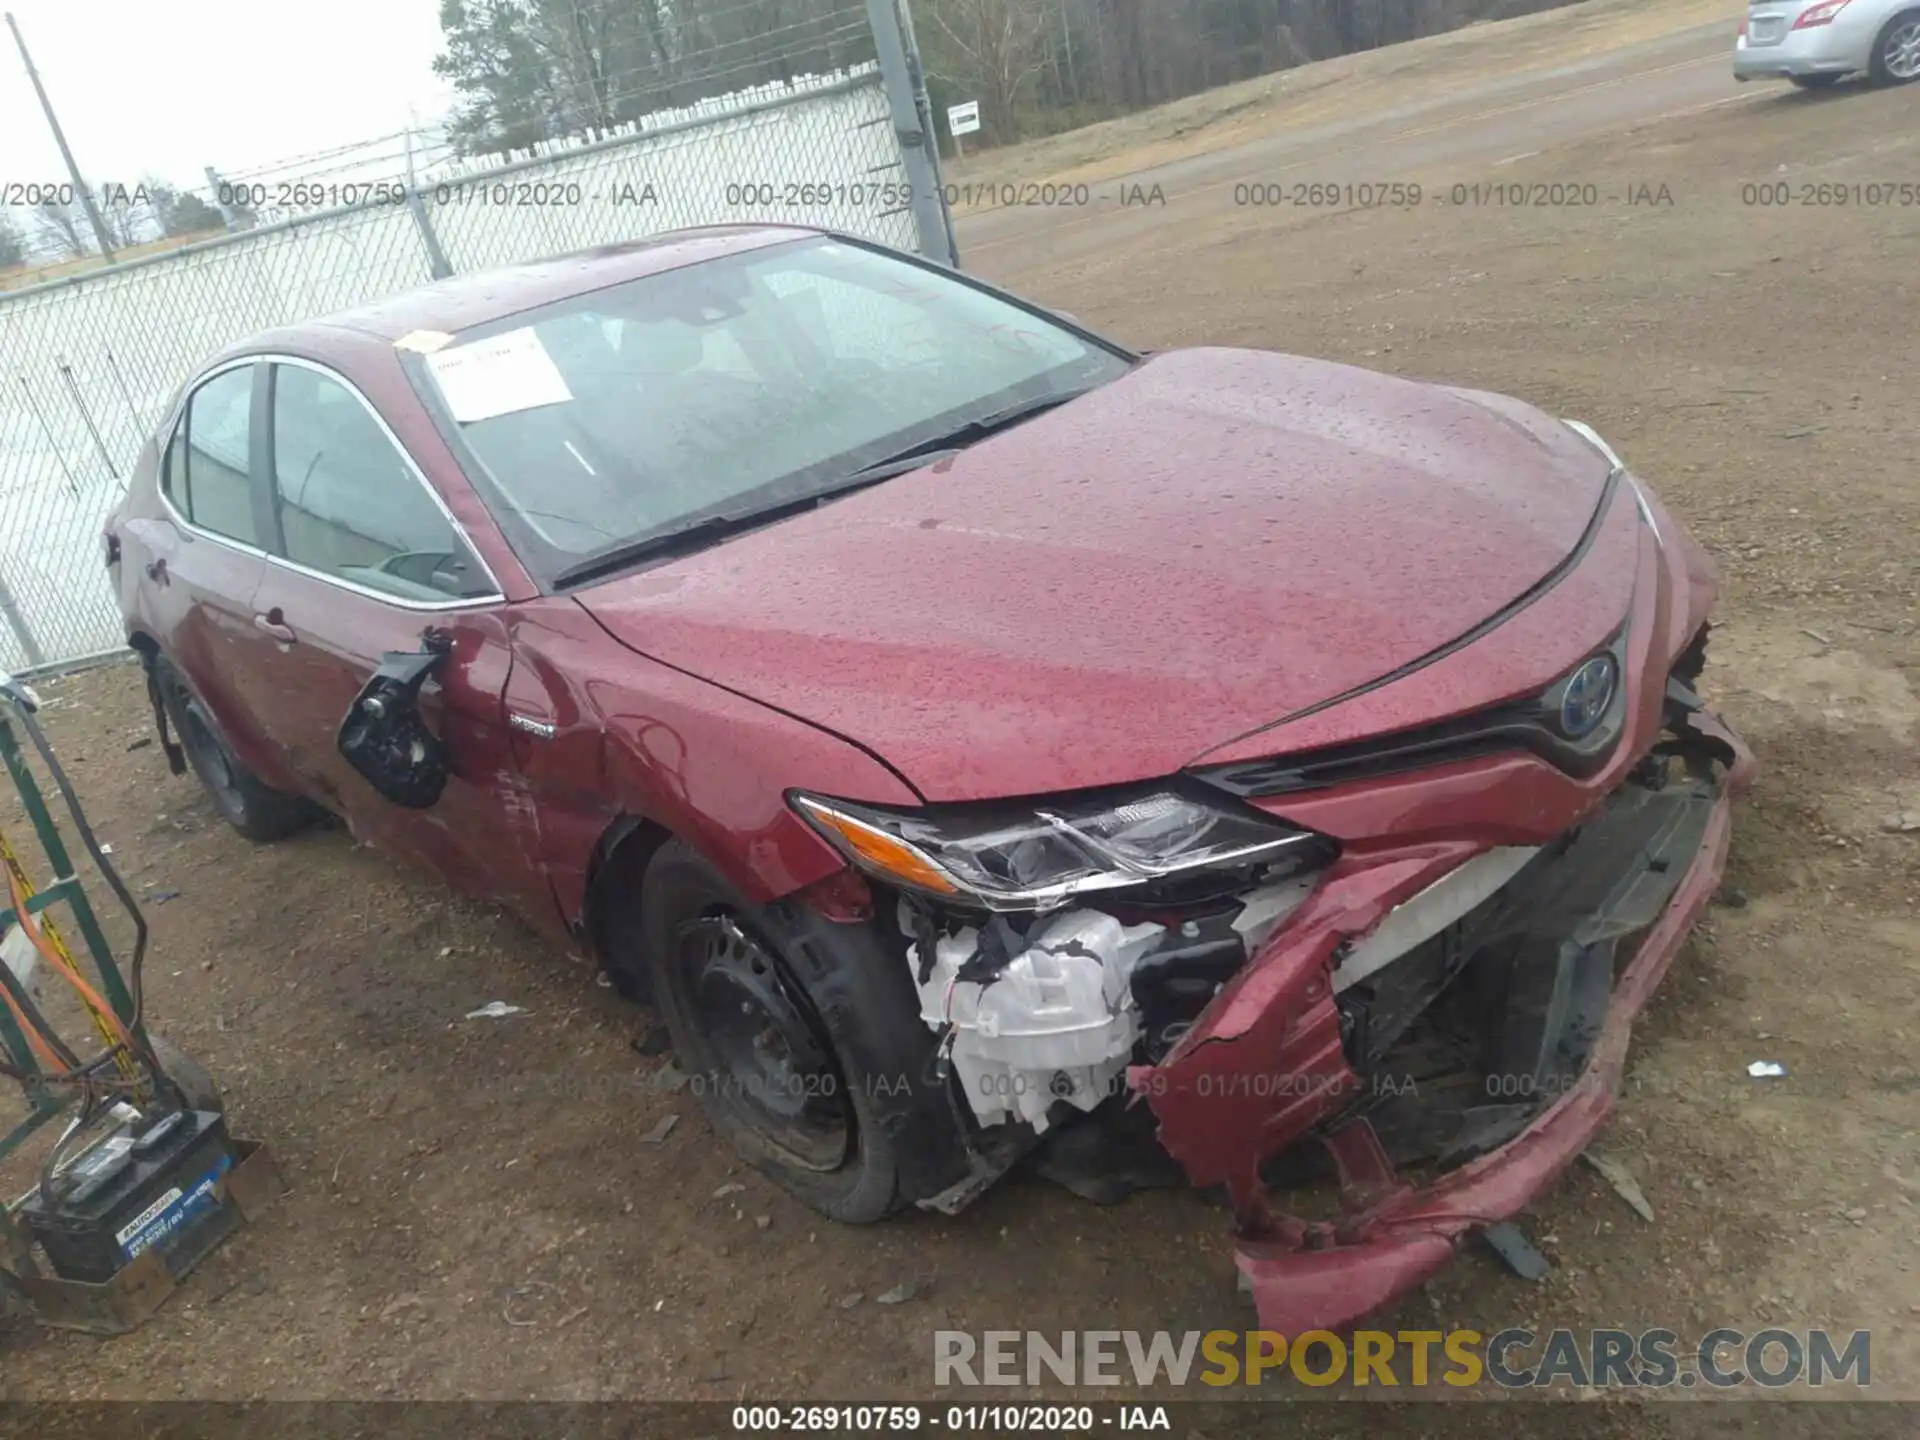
(1214, 541)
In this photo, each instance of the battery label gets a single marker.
(145, 1217)
(171, 1211)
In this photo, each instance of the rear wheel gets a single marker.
(768, 1068)
(1815, 82)
(1896, 54)
(251, 806)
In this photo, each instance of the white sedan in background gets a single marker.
(1813, 43)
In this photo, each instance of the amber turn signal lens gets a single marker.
(877, 851)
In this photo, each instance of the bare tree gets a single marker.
(535, 70)
(13, 245)
(180, 212)
(531, 71)
(60, 228)
(126, 216)
(998, 48)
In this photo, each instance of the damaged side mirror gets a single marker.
(383, 735)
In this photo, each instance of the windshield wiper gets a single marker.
(711, 529)
(975, 431)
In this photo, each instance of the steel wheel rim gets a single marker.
(773, 1063)
(1902, 54)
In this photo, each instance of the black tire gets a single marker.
(1815, 82)
(1882, 71)
(618, 934)
(691, 916)
(249, 804)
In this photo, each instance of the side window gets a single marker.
(206, 475)
(349, 503)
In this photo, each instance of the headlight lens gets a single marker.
(1033, 857)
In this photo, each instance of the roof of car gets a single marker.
(482, 296)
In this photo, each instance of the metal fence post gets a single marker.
(30, 650)
(912, 126)
(437, 264)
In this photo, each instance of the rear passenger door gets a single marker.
(205, 559)
(365, 559)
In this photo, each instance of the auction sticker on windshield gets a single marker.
(499, 376)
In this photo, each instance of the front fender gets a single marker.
(605, 736)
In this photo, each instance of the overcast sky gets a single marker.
(168, 88)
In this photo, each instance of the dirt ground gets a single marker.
(1398, 79)
(472, 1214)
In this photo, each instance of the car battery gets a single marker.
(144, 1186)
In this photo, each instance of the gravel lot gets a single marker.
(472, 1216)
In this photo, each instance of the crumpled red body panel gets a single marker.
(1391, 1236)
(1264, 1066)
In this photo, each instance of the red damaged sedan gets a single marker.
(979, 742)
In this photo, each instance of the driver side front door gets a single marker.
(363, 560)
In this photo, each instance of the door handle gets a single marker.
(157, 571)
(272, 625)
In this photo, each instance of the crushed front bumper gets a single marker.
(1274, 1064)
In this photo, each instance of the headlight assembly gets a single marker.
(1037, 856)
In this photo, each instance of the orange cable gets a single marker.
(103, 1012)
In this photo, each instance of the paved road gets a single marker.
(1467, 133)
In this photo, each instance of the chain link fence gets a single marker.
(88, 364)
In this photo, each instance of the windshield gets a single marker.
(742, 384)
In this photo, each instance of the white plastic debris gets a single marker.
(19, 956)
(1621, 1178)
(1420, 917)
(1262, 911)
(1767, 1070)
(495, 1010)
(658, 1135)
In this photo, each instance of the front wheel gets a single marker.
(248, 803)
(1896, 54)
(769, 1070)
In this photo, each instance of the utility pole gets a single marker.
(60, 139)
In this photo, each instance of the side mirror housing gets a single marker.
(383, 735)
